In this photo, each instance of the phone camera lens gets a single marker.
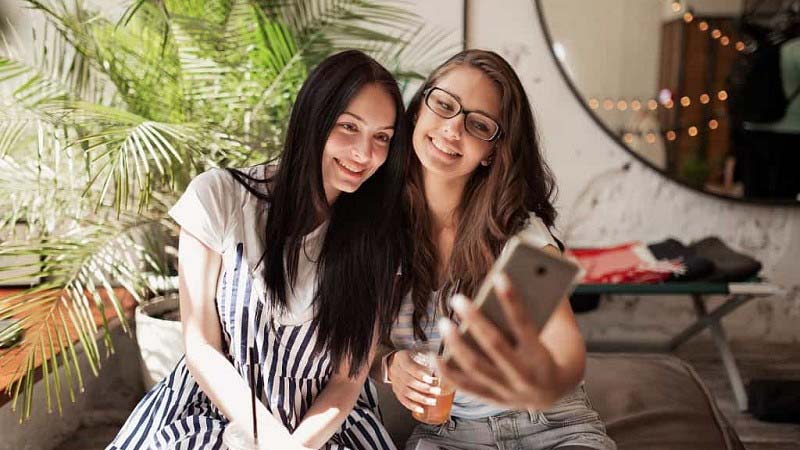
(541, 270)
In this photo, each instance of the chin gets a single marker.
(347, 188)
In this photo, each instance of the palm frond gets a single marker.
(105, 127)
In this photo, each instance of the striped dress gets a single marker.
(176, 414)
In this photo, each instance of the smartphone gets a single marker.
(540, 280)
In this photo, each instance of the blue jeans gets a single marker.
(570, 423)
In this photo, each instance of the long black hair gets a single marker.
(360, 255)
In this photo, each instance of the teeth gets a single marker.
(438, 144)
(351, 169)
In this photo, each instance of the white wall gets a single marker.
(640, 203)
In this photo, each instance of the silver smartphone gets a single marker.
(540, 280)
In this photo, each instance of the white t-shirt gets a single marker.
(222, 214)
(402, 335)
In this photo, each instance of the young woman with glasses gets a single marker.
(477, 177)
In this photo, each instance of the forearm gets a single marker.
(570, 361)
(328, 411)
(567, 347)
(226, 388)
(564, 341)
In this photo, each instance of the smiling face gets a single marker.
(443, 146)
(358, 143)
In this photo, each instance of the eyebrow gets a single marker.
(389, 127)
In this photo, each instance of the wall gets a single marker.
(600, 204)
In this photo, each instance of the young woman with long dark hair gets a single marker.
(273, 261)
(476, 178)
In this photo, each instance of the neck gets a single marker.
(443, 197)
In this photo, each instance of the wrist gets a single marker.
(386, 363)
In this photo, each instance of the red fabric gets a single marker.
(625, 263)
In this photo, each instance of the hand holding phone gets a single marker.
(496, 353)
(539, 279)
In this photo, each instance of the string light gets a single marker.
(652, 104)
(688, 17)
(670, 135)
(676, 6)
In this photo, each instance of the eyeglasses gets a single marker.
(445, 105)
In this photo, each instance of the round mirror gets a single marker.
(704, 91)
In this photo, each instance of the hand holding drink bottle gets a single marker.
(416, 384)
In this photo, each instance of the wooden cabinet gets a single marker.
(696, 57)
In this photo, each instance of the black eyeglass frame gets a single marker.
(426, 95)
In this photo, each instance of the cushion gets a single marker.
(647, 401)
(655, 401)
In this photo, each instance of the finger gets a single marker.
(416, 370)
(425, 391)
(419, 398)
(480, 368)
(409, 404)
(488, 337)
(421, 386)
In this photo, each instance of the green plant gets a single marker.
(104, 128)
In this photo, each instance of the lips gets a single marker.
(440, 145)
(349, 167)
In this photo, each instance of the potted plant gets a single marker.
(104, 127)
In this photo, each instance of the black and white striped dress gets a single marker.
(176, 414)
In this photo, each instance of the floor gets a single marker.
(756, 360)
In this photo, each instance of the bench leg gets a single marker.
(721, 342)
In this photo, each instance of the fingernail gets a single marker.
(445, 326)
(428, 379)
(430, 401)
(500, 282)
(419, 409)
(459, 303)
(436, 391)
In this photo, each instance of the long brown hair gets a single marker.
(497, 201)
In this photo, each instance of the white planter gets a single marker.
(160, 341)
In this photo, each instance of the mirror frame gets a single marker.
(578, 96)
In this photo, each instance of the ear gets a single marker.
(488, 161)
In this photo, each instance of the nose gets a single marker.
(361, 151)
(453, 127)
